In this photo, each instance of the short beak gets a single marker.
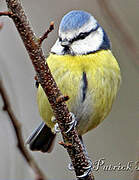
(65, 43)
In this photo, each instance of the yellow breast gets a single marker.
(103, 79)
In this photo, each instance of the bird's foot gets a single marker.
(53, 119)
(70, 167)
(87, 170)
(73, 123)
(56, 128)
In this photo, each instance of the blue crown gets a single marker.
(74, 20)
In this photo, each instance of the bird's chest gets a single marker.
(90, 85)
(86, 84)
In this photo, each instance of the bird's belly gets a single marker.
(89, 113)
(91, 90)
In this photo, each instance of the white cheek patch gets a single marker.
(90, 44)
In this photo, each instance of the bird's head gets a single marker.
(79, 34)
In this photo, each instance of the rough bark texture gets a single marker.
(76, 150)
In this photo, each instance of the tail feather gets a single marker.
(42, 139)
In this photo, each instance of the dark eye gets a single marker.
(81, 35)
(60, 39)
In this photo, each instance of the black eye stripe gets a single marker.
(84, 35)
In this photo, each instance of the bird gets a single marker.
(84, 68)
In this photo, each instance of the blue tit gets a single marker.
(84, 68)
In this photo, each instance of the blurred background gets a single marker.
(116, 139)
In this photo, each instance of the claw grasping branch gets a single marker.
(60, 110)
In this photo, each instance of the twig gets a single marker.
(17, 129)
(60, 110)
(65, 145)
(62, 98)
(45, 35)
(6, 13)
(114, 19)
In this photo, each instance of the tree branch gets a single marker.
(114, 19)
(45, 35)
(6, 13)
(17, 129)
(60, 110)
